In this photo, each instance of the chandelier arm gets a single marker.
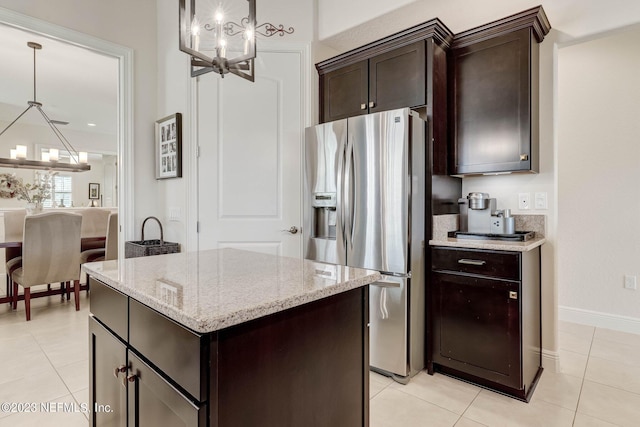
(17, 118)
(67, 145)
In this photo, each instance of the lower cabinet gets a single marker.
(108, 370)
(307, 365)
(485, 324)
(154, 402)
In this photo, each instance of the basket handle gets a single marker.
(159, 225)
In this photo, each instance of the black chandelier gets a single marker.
(222, 38)
(78, 160)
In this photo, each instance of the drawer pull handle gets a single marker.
(471, 261)
(121, 368)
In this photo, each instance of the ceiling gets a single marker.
(73, 84)
(571, 18)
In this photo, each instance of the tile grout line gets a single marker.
(584, 374)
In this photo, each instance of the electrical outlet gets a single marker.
(524, 201)
(540, 200)
(630, 282)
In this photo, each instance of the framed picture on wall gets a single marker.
(94, 191)
(169, 147)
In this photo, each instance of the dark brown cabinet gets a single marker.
(307, 365)
(493, 98)
(485, 317)
(394, 79)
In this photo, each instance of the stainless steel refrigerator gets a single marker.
(364, 206)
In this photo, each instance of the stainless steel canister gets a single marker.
(478, 200)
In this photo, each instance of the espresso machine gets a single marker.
(479, 215)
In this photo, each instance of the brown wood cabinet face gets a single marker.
(397, 78)
(494, 104)
(477, 327)
(394, 79)
(344, 92)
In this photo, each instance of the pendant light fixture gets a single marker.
(222, 38)
(78, 161)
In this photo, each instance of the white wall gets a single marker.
(598, 176)
(178, 93)
(127, 23)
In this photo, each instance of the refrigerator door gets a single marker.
(388, 326)
(323, 228)
(377, 189)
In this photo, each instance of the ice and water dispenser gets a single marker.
(324, 215)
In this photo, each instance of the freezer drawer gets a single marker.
(388, 326)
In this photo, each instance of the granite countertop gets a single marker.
(498, 245)
(214, 289)
(442, 224)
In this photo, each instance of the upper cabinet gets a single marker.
(390, 73)
(407, 69)
(393, 79)
(493, 96)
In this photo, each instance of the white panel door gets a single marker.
(250, 137)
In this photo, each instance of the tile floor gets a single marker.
(45, 360)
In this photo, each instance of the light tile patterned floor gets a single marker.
(46, 360)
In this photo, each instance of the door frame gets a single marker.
(124, 55)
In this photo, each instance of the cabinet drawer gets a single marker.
(497, 264)
(175, 350)
(110, 307)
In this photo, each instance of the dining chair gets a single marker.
(110, 251)
(50, 253)
(13, 229)
(94, 224)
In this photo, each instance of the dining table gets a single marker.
(18, 244)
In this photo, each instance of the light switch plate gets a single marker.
(175, 214)
(630, 282)
(540, 200)
(524, 201)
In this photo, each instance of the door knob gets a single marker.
(292, 230)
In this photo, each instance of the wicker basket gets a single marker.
(150, 247)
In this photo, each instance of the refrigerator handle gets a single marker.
(341, 190)
(349, 194)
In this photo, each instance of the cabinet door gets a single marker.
(492, 105)
(344, 92)
(397, 78)
(477, 327)
(108, 364)
(154, 402)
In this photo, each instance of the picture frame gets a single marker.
(94, 191)
(168, 147)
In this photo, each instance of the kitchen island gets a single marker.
(228, 338)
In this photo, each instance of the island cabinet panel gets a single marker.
(485, 317)
(152, 401)
(307, 365)
(270, 369)
(108, 367)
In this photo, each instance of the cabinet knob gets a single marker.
(129, 378)
(372, 104)
(363, 106)
(524, 157)
(116, 371)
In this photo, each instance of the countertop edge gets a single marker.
(209, 325)
(490, 244)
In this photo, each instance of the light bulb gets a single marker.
(83, 157)
(53, 154)
(45, 157)
(219, 16)
(13, 153)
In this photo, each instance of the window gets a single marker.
(60, 192)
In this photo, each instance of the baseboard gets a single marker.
(551, 361)
(600, 320)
